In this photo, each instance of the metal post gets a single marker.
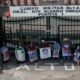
(1, 41)
(48, 27)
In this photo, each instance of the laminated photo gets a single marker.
(55, 49)
(20, 54)
(45, 53)
(66, 50)
(33, 56)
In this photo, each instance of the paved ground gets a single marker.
(41, 70)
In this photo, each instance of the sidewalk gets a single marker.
(40, 71)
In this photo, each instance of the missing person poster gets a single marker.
(20, 54)
(45, 53)
(56, 53)
(33, 56)
(6, 54)
(55, 49)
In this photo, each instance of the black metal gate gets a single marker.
(35, 28)
(33, 32)
(70, 31)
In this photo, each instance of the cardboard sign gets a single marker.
(32, 55)
(6, 54)
(45, 53)
(20, 54)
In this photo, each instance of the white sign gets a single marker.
(45, 53)
(55, 10)
(32, 55)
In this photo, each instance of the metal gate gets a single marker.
(70, 31)
(35, 28)
(32, 29)
(33, 32)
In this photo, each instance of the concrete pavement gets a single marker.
(40, 71)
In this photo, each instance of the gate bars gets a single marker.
(35, 28)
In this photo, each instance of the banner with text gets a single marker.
(55, 10)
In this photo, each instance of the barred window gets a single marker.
(32, 2)
(69, 2)
(76, 2)
(25, 2)
(18, 1)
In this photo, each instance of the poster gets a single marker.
(45, 53)
(66, 50)
(56, 53)
(20, 54)
(6, 54)
(33, 55)
(55, 49)
(77, 54)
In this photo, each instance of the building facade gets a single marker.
(39, 2)
(6, 3)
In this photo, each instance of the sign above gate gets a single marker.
(35, 11)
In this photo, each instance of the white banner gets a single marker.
(56, 10)
(32, 55)
(45, 53)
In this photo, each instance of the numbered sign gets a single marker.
(45, 53)
(33, 55)
(6, 54)
(20, 54)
